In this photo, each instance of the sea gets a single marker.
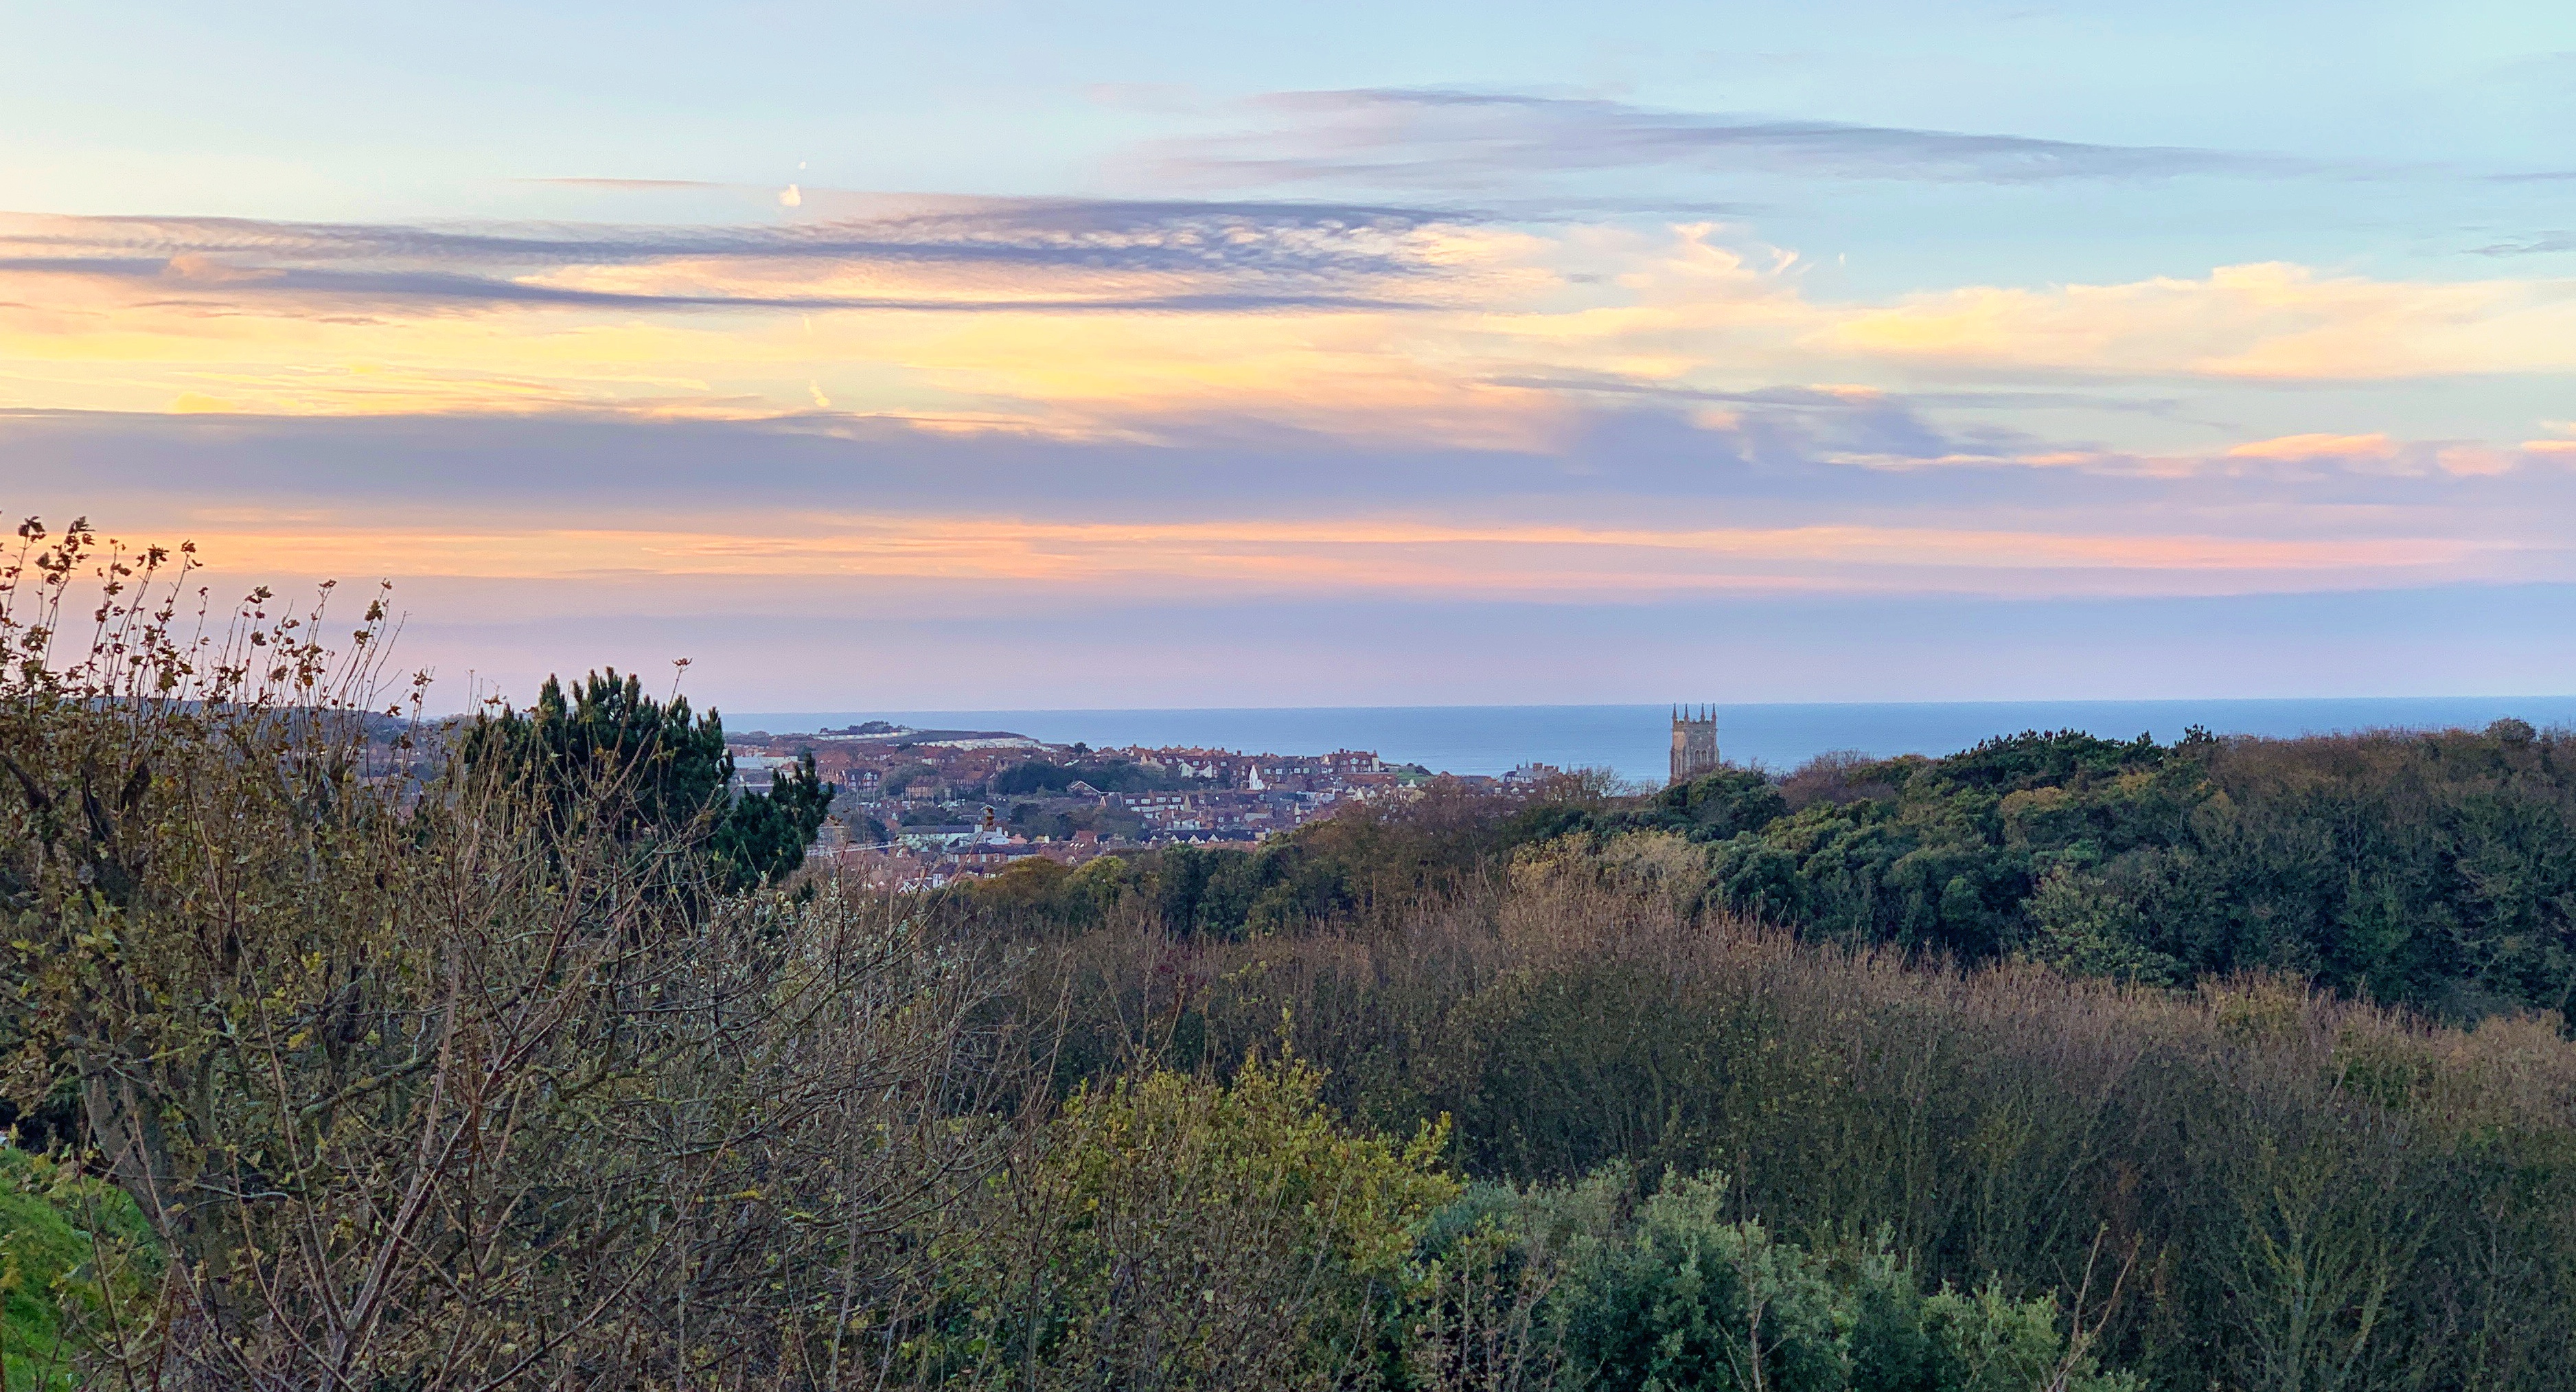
(1634, 742)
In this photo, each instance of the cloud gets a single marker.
(322, 289)
(2268, 320)
(1366, 554)
(1120, 234)
(639, 185)
(301, 316)
(1255, 251)
(1159, 321)
(1447, 139)
(2303, 448)
(2475, 461)
(2535, 245)
(1765, 457)
(2377, 453)
(681, 534)
(1640, 503)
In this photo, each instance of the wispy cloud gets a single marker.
(1880, 465)
(2534, 245)
(882, 547)
(996, 253)
(640, 185)
(1137, 320)
(2261, 321)
(1368, 554)
(1461, 140)
(323, 289)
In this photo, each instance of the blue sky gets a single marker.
(1128, 355)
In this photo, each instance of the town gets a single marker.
(919, 809)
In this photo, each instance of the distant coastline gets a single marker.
(1633, 740)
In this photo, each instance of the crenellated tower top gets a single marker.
(1694, 742)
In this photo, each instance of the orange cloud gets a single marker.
(2270, 320)
(2304, 447)
(1330, 555)
(1464, 335)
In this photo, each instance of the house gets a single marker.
(757, 773)
(942, 837)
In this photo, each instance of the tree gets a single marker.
(432, 1081)
(663, 773)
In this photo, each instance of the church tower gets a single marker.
(1694, 743)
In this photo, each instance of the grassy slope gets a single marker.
(54, 1226)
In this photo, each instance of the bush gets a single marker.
(1170, 1232)
(1686, 1297)
(1601, 1291)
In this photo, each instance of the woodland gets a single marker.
(346, 1049)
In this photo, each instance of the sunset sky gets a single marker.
(1002, 355)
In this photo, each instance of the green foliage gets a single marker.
(2078, 925)
(666, 765)
(1171, 1232)
(2437, 869)
(70, 1247)
(1713, 808)
(1688, 1299)
(665, 770)
(763, 836)
(1676, 1292)
(2434, 869)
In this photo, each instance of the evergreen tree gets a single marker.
(651, 771)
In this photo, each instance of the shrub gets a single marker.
(1673, 1292)
(1169, 1232)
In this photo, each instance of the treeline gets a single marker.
(2432, 868)
(2435, 869)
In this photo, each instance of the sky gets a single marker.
(994, 355)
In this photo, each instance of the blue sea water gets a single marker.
(1634, 741)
